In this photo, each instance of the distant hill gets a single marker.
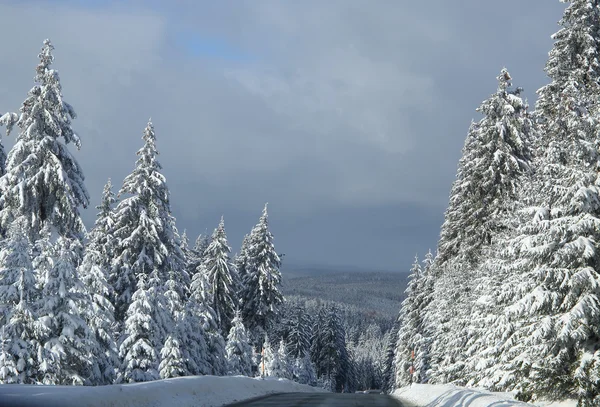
(377, 292)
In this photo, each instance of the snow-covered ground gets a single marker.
(427, 395)
(196, 391)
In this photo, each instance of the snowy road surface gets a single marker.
(320, 400)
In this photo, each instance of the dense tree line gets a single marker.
(131, 291)
(511, 301)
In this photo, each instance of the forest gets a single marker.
(511, 300)
(132, 300)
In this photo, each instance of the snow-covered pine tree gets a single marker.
(94, 275)
(65, 338)
(552, 280)
(145, 233)
(194, 345)
(261, 295)
(238, 348)
(298, 337)
(199, 306)
(241, 261)
(138, 351)
(496, 157)
(304, 370)
(185, 244)
(269, 356)
(8, 368)
(389, 368)
(222, 278)
(200, 246)
(172, 363)
(18, 297)
(43, 181)
(286, 367)
(411, 361)
(329, 352)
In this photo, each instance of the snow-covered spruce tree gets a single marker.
(496, 156)
(185, 244)
(142, 336)
(221, 276)
(241, 261)
(298, 337)
(145, 233)
(18, 297)
(554, 286)
(43, 181)
(194, 345)
(172, 355)
(197, 253)
(330, 354)
(199, 306)
(496, 153)
(304, 370)
(238, 349)
(65, 338)
(269, 356)
(172, 363)
(412, 352)
(285, 367)
(389, 368)
(8, 368)
(94, 275)
(261, 295)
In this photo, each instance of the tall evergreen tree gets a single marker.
(552, 284)
(172, 363)
(261, 295)
(330, 354)
(200, 307)
(43, 181)
(298, 337)
(65, 338)
(146, 237)
(496, 157)
(495, 154)
(18, 297)
(238, 349)
(138, 351)
(94, 275)
(221, 276)
(241, 262)
(412, 353)
(194, 339)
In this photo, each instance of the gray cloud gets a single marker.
(347, 116)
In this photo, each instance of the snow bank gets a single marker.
(196, 391)
(421, 395)
(447, 395)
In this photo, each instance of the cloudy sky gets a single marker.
(347, 116)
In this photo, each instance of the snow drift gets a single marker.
(191, 391)
(421, 395)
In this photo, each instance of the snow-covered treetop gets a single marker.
(495, 155)
(108, 199)
(43, 181)
(574, 69)
(145, 227)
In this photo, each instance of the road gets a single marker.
(320, 400)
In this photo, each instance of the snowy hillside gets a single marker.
(205, 391)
